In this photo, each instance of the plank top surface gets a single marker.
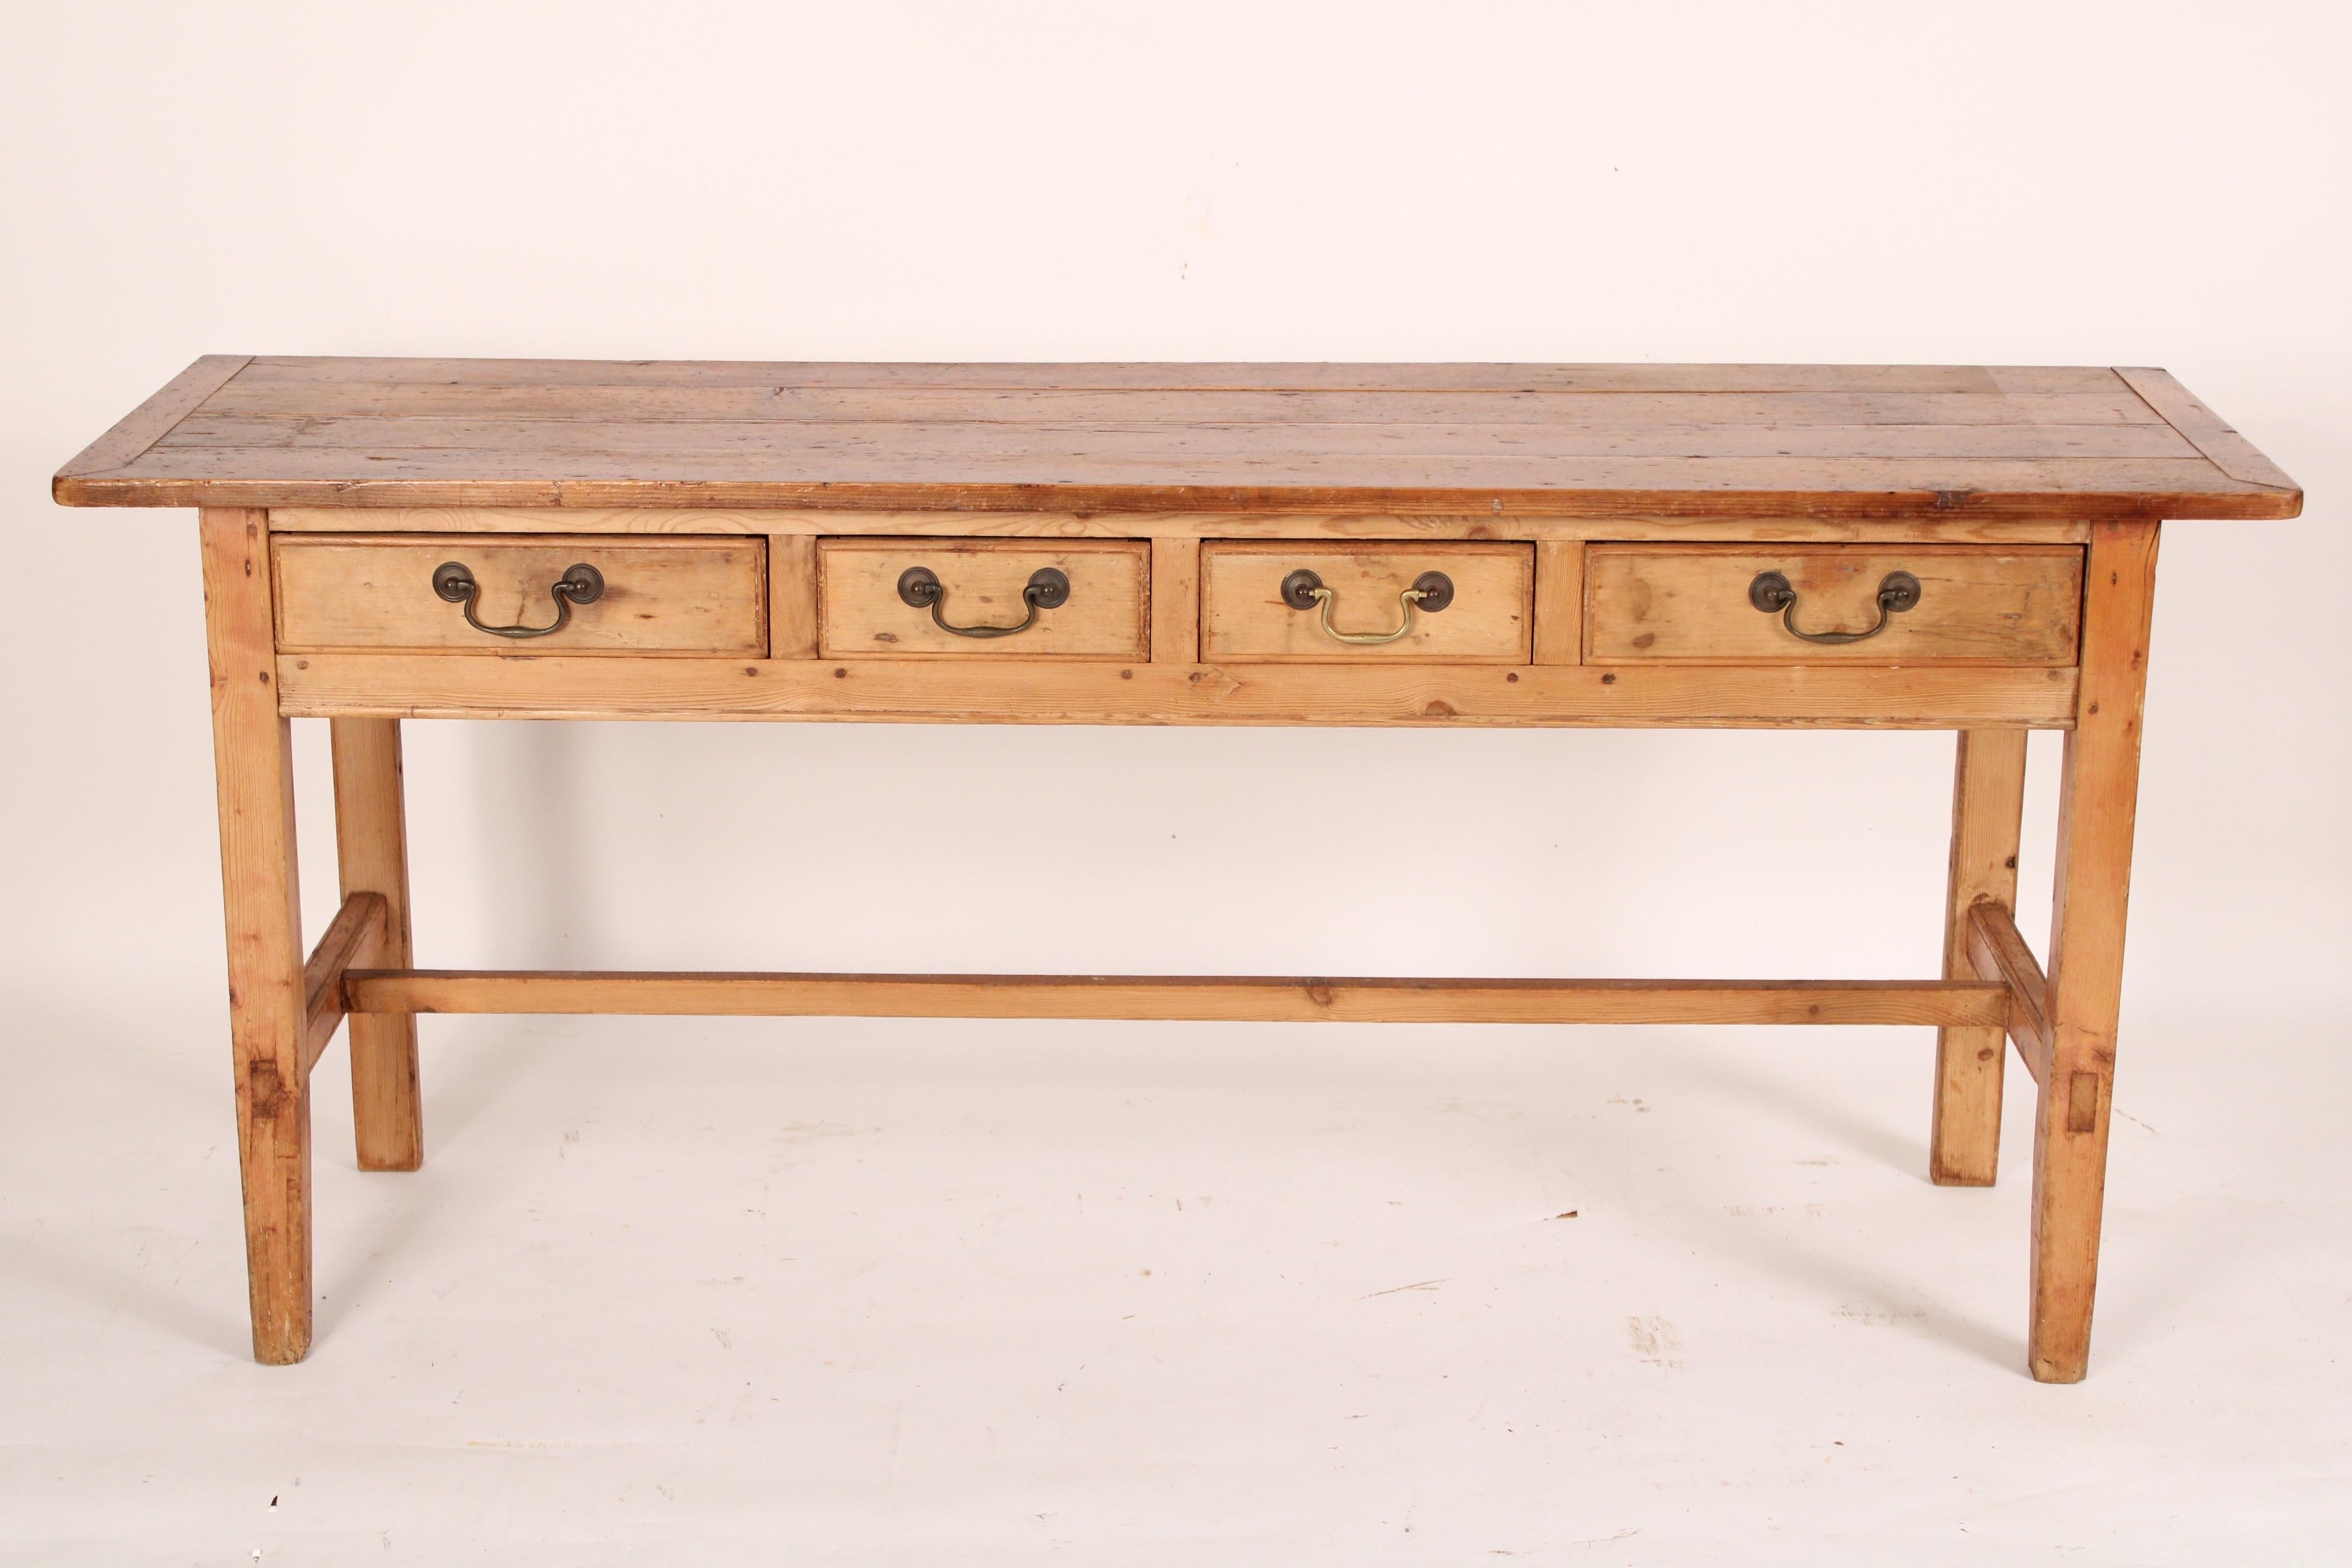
(1859, 441)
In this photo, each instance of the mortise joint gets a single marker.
(2083, 1103)
(265, 1088)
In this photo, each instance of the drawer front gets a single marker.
(1244, 615)
(659, 596)
(984, 587)
(1699, 604)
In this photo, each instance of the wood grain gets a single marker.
(1987, 814)
(1245, 618)
(1277, 999)
(1683, 440)
(1560, 602)
(353, 939)
(1952, 530)
(792, 596)
(1997, 951)
(372, 862)
(1175, 601)
(269, 1022)
(1364, 424)
(2204, 429)
(2098, 797)
(1297, 479)
(1185, 376)
(155, 418)
(861, 615)
(1690, 604)
(1074, 691)
(661, 595)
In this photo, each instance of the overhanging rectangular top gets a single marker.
(1487, 439)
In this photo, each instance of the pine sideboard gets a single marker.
(1956, 548)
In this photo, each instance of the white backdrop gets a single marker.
(2009, 184)
(2032, 185)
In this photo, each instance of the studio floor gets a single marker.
(884, 1294)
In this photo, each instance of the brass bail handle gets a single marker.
(1771, 592)
(1431, 592)
(580, 584)
(1047, 589)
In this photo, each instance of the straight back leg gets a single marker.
(2098, 802)
(253, 766)
(371, 854)
(1988, 809)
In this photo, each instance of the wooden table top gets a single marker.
(1897, 441)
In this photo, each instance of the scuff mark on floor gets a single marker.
(1654, 1342)
(1877, 1315)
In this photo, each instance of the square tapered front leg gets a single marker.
(253, 766)
(2097, 806)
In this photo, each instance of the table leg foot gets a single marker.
(274, 1147)
(2070, 1178)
